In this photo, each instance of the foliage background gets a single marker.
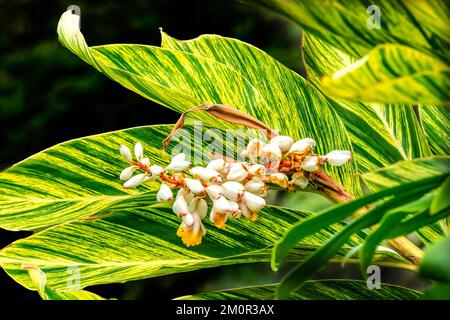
(47, 95)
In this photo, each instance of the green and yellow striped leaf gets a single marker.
(393, 74)
(314, 290)
(213, 69)
(141, 243)
(435, 122)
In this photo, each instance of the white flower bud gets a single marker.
(244, 153)
(257, 187)
(257, 170)
(198, 206)
(178, 166)
(302, 146)
(283, 142)
(246, 212)
(218, 164)
(164, 193)
(254, 148)
(338, 157)
(149, 178)
(236, 211)
(195, 186)
(188, 219)
(186, 194)
(156, 170)
(125, 152)
(271, 152)
(300, 180)
(180, 206)
(310, 163)
(139, 151)
(214, 191)
(127, 173)
(208, 175)
(179, 157)
(237, 172)
(233, 190)
(253, 202)
(145, 162)
(280, 179)
(218, 218)
(134, 181)
(222, 205)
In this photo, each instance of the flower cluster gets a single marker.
(234, 189)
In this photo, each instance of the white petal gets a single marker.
(310, 163)
(186, 194)
(218, 164)
(198, 206)
(302, 146)
(300, 180)
(188, 219)
(209, 175)
(195, 186)
(125, 152)
(178, 166)
(179, 157)
(280, 179)
(222, 205)
(180, 206)
(145, 162)
(257, 187)
(164, 193)
(245, 210)
(254, 148)
(138, 151)
(244, 153)
(214, 191)
(233, 190)
(253, 202)
(257, 170)
(134, 181)
(127, 173)
(283, 142)
(271, 152)
(236, 211)
(149, 178)
(237, 172)
(338, 157)
(156, 170)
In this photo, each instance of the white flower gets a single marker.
(246, 212)
(310, 163)
(254, 148)
(149, 178)
(178, 163)
(164, 193)
(145, 161)
(280, 179)
(237, 172)
(188, 219)
(271, 152)
(253, 202)
(236, 211)
(233, 190)
(199, 206)
(257, 170)
(208, 175)
(300, 180)
(138, 151)
(195, 186)
(302, 146)
(257, 187)
(127, 173)
(338, 157)
(125, 152)
(218, 218)
(222, 205)
(180, 206)
(134, 181)
(283, 142)
(156, 170)
(188, 196)
(218, 164)
(214, 191)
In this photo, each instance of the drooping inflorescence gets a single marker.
(233, 188)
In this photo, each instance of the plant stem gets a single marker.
(335, 192)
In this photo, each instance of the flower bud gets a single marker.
(178, 164)
(148, 178)
(310, 163)
(253, 202)
(218, 218)
(257, 187)
(300, 180)
(198, 206)
(222, 205)
(218, 164)
(164, 193)
(246, 212)
(127, 173)
(283, 142)
(195, 186)
(188, 219)
(125, 152)
(233, 190)
(188, 196)
(145, 162)
(254, 148)
(280, 179)
(236, 211)
(214, 191)
(302, 146)
(208, 175)
(237, 172)
(156, 170)
(257, 170)
(338, 157)
(180, 206)
(138, 151)
(134, 181)
(271, 152)
(244, 153)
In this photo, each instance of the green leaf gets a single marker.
(380, 134)
(76, 179)
(314, 290)
(39, 281)
(141, 243)
(344, 24)
(438, 291)
(442, 198)
(393, 74)
(214, 69)
(435, 264)
(435, 122)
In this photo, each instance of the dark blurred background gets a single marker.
(48, 95)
